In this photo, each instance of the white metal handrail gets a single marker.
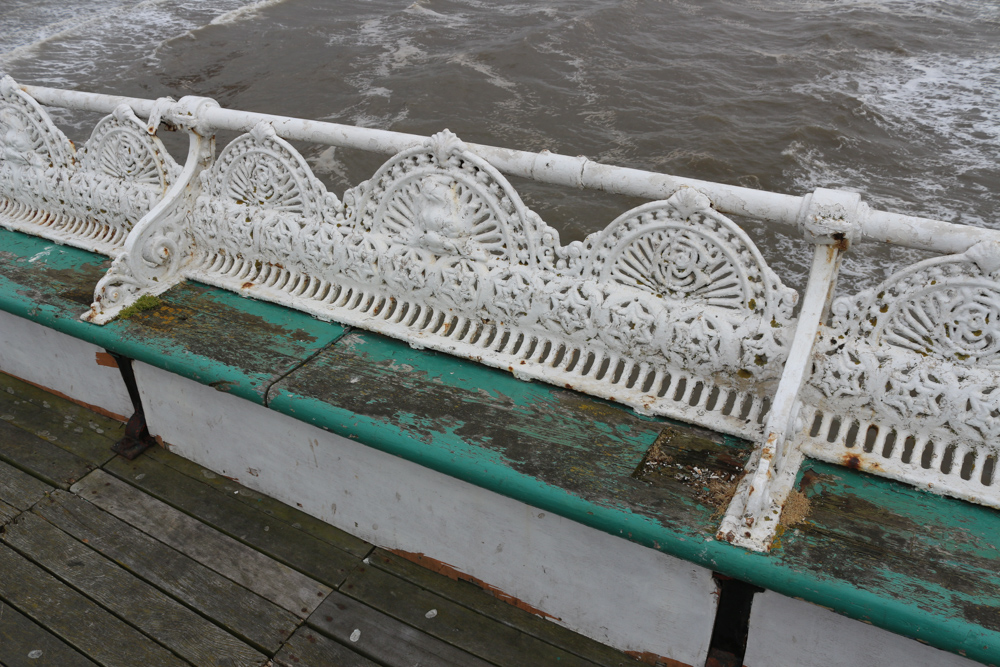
(671, 309)
(879, 226)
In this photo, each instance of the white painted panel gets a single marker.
(61, 363)
(785, 632)
(615, 591)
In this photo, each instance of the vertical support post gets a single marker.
(831, 220)
(137, 438)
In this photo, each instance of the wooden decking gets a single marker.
(161, 562)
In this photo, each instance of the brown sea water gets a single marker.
(896, 99)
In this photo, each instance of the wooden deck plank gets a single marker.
(40, 458)
(59, 420)
(480, 601)
(257, 621)
(220, 509)
(77, 620)
(383, 638)
(251, 569)
(308, 648)
(453, 623)
(141, 605)
(19, 488)
(7, 512)
(269, 506)
(67, 408)
(24, 643)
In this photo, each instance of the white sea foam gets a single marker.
(30, 26)
(943, 111)
(979, 11)
(244, 13)
(468, 60)
(956, 98)
(62, 46)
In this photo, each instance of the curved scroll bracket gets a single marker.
(159, 244)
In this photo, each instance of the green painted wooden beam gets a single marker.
(206, 334)
(578, 457)
(913, 563)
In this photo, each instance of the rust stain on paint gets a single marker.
(105, 359)
(447, 570)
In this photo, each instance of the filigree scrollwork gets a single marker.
(91, 198)
(124, 170)
(122, 148)
(720, 307)
(36, 163)
(261, 200)
(442, 198)
(159, 244)
(116, 289)
(682, 249)
(150, 264)
(28, 135)
(670, 289)
(921, 349)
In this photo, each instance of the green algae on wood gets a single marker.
(144, 302)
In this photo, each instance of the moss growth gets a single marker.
(144, 302)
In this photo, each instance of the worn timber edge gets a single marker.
(47, 284)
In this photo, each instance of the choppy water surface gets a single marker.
(897, 99)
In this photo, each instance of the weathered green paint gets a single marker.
(206, 334)
(916, 564)
(578, 457)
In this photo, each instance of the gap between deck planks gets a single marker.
(205, 571)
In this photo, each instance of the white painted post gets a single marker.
(830, 220)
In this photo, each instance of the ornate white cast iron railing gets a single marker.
(671, 309)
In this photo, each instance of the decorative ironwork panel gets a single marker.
(90, 199)
(906, 381)
(671, 309)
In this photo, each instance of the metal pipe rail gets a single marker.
(671, 309)
(880, 226)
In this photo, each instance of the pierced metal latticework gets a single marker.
(89, 198)
(670, 309)
(906, 379)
